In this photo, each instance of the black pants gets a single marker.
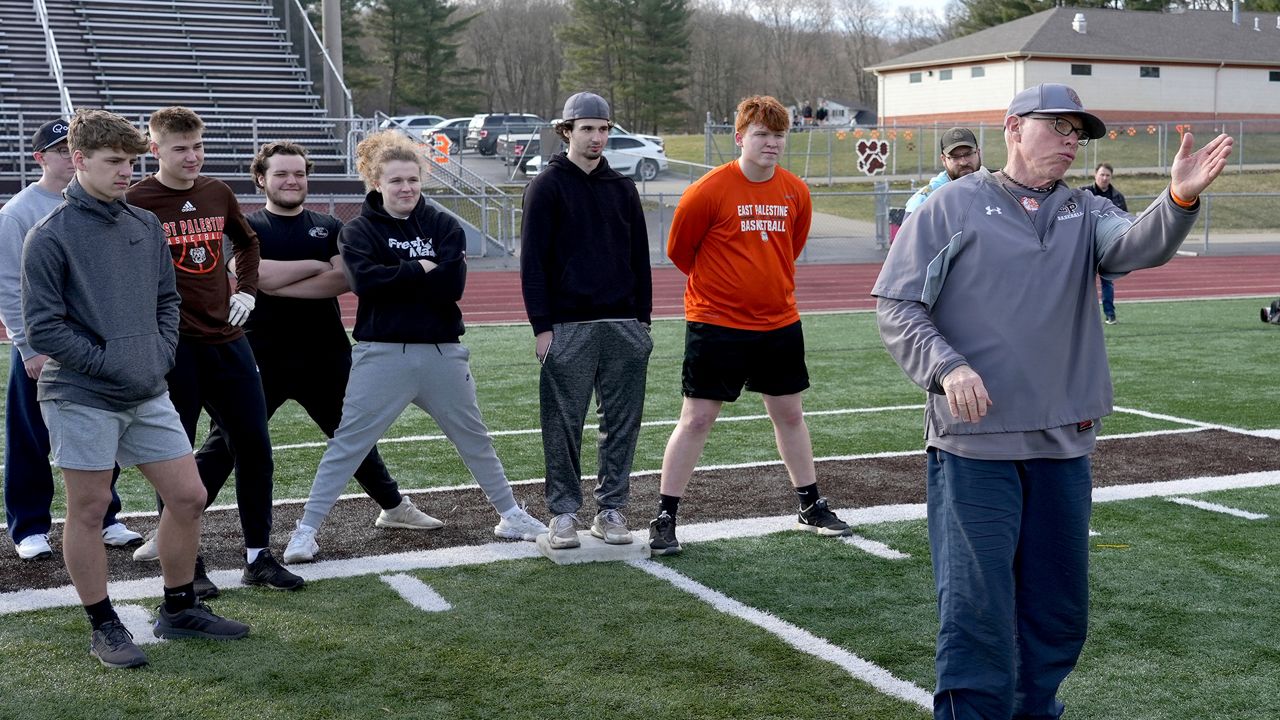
(317, 383)
(223, 380)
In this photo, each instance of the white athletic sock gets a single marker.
(251, 554)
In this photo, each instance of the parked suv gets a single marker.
(484, 129)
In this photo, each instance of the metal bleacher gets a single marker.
(232, 61)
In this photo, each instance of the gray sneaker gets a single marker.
(113, 645)
(562, 531)
(611, 527)
(197, 622)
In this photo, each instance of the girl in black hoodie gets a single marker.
(406, 261)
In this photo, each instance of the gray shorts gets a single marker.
(90, 439)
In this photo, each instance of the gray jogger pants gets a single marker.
(610, 358)
(385, 379)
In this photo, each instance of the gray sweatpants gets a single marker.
(385, 379)
(611, 358)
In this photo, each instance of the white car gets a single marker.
(619, 130)
(414, 125)
(629, 155)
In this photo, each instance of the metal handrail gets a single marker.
(55, 61)
(327, 60)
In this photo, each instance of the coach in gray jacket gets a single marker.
(986, 302)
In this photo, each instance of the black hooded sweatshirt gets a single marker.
(584, 248)
(399, 301)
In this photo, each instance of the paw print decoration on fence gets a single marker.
(872, 156)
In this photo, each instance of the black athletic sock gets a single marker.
(180, 598)
(101, 613)
(668, 504)
(808, 495)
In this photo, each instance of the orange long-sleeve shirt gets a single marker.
(738, 242)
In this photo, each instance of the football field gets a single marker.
(752, 621)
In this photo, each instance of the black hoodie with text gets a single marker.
(399, 300)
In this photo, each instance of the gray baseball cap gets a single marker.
(585, 105)
(1055, 99)
(957, 137)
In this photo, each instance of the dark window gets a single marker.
(978, 72)
(1275, 76)
(944, 74)
(914, 77)
(624, 143)
(1081, 69)
(1148, 71)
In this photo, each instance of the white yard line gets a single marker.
(1215, 507)
(798, 638)
(38, 599)
(1182, 420)
(417, 593)
(139, 621)
(872, 547)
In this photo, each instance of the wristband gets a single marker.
(1183, 203)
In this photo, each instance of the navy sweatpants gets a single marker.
(28, 477)
(1010, 545)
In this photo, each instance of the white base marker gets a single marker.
(873, 547)
(417, 593)
(797, 637)
(139, 620)
(1215, 507)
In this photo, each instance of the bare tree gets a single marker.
(862, 26)
(513, 43)
(792, 34)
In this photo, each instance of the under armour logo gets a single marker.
(993, 210)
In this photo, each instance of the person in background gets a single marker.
(1103, 187)
(960, 156)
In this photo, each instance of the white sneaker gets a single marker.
(302, 545)
(611, 527)
(520, 526)
(407, 515)
(147, 551)
(120, 536)
(34, 547)
(563, 532)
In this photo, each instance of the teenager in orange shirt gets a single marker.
(737, 233)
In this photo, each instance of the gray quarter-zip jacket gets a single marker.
(99, 298)
(971, 279)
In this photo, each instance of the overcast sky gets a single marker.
(935, 6)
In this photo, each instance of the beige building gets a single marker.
(1127, 65)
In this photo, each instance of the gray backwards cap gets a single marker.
(1055, 99)
(585, 105)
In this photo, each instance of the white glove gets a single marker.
(241, 305)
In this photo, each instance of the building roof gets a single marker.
(1195, 36)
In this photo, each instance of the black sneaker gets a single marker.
(113, 645)
(204, 587)
(818, 518)
(266, 572)
(197, 622)
(662, 535)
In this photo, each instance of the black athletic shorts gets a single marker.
(719, 361)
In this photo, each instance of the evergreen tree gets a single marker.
(418, 42)
(635, 53)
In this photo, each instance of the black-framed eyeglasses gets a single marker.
(62, 150)
(1063, 127)
(963, 156)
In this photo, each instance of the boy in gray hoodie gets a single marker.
(99, 299)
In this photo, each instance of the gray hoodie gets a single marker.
(99, 298)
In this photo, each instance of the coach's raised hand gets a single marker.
(1192, 172)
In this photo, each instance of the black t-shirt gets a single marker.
(284, 327)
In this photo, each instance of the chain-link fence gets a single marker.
(829, 154)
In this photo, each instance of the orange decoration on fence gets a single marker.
(1132, 131)
(1151, 129)
(908, 134)
(840, 134)
(875, 134)
(1111, 134)
(857, 133)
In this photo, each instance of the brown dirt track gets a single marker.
(714, 495)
